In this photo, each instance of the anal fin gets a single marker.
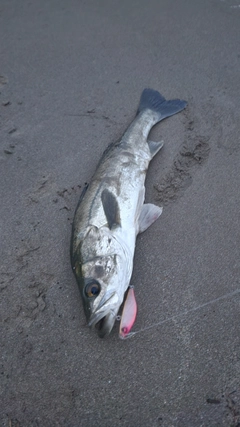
(154, 147)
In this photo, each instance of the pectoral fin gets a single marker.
(154, 147)
(111, 208)
(148, 216)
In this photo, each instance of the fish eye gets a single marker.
(92, 289)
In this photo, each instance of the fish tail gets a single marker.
(153, 100)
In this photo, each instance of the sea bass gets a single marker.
(111, 213)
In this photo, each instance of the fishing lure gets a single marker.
(129, 313)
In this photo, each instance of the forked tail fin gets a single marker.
(153, 100)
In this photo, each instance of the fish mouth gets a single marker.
(104, 316)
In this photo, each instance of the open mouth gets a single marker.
(105, 314)
(105, 325)
(99, 325)
(103, 322)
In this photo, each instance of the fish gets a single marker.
(110, 214)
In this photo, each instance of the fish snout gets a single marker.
(104, 316)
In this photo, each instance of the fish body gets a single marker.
(111, 213)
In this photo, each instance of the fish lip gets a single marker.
(105, 324)
(104, 317)
(96, 317)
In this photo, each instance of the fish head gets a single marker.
(103, 283)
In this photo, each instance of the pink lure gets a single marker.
(129, 314)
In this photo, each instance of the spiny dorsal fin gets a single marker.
(111, 208)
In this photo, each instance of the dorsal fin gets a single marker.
(111, 208)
